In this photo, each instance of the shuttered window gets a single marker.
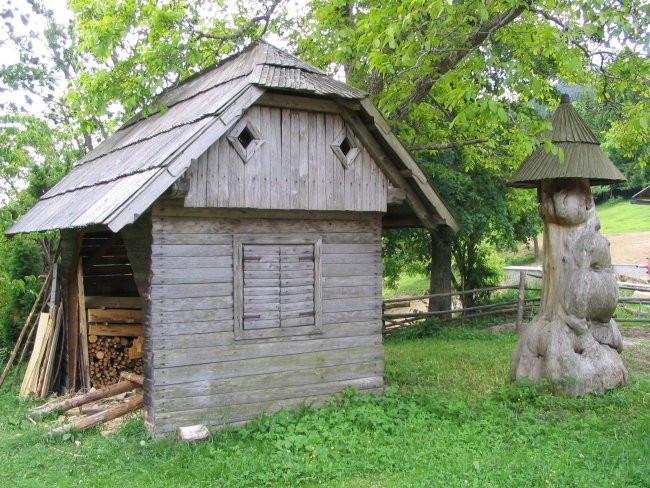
(277, 286)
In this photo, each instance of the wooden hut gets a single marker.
(238, 232)
(642, 197)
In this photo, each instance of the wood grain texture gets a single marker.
(294, 169)
(277, 260)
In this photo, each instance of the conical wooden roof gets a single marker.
(583, 157)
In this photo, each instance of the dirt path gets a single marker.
(629, 248)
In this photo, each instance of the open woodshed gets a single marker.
(229, 245)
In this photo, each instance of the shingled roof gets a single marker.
(118, 180)
(643, 197)
(583, 157)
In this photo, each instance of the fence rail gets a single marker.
(629, 309)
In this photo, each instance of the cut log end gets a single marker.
(192, 433)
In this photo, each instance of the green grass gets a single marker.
(409, 285)
(620, 216)
(449, 417)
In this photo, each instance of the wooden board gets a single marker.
(295, 168)
(117, 330)
(193, 308)
(113, 302)
(114, 315)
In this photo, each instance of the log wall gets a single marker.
(198, 372)
(294, 168)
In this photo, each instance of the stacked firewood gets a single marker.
(109, 356)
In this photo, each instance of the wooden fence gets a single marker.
(635, 309)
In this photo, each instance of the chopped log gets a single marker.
(91, 396)
(134, 378)
(99, 418)
(135, 351)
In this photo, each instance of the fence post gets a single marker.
(521, 301)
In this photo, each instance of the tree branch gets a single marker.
(423, 85)
(448, 145)
(264, 18)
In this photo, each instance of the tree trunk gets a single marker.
(440, 271)
(573, 342)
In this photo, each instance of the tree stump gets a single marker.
(573, 342)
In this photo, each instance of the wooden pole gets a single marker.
(521, 301)
(84, 364)
(19, 341)
(91, 396)
(99, 418)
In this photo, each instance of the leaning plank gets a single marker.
(49, 363)
(118, 330)
(26, 326)
(91, 396)
(99, 418)
(30, 379)
(84, 363)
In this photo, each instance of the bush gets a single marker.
(23, 265)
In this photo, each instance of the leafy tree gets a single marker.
(73, 80)
(471, 77)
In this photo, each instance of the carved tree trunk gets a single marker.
(573, 342)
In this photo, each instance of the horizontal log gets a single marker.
(99, 418)
(91, 396)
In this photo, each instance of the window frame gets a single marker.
(239, 241)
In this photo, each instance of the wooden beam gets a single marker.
(92, 260)
(406, 157)
(72, 315)
(388, 167)
(396, 196)
(113, 302)
(119, 330)
(114, 315)
(84, 363)
(280, 100)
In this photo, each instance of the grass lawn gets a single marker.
(448, 418)
(619, 216)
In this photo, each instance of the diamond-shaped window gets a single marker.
(245, 139)
(345, 147)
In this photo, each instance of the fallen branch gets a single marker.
(99, 418)
(91, 396)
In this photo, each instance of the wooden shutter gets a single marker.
(278, 285)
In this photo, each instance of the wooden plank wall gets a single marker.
(295, 168)
(201, 374)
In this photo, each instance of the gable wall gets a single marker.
(200, 373)
(295, 168)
